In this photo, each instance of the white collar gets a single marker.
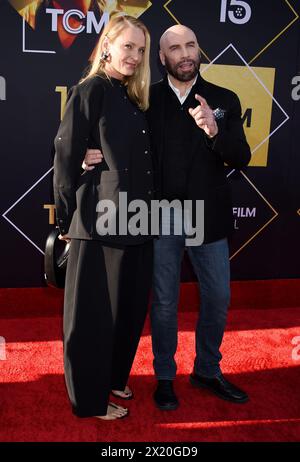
(177, 92)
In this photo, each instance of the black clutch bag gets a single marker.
(56, 259)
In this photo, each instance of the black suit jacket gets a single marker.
(100, 115)
(207, 176)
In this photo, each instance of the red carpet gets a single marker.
(45, 301)
(257, 352)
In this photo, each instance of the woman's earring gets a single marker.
(104, 55)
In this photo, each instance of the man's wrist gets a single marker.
(214, 135)
(211, 137)
(211, 140)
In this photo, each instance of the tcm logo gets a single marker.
(92, 25)
(255, 101)
(71, 13)
(96, 13)
(2, 89)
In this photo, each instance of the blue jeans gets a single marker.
(211, 265)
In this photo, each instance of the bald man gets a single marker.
(195, 128)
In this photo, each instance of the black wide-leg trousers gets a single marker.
(105, 306)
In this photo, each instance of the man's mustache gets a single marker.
(190, 61)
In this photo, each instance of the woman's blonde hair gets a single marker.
(138, 84)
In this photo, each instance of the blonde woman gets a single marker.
(108, 275)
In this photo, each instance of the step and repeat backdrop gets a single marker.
(251, 47)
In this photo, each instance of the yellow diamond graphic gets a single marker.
(168, 5)
(279, 34)
(256, 102)
(263, 225)
(254, 87)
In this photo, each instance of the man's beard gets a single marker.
(174, 69)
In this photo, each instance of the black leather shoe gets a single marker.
(164, 396)
(220, 387)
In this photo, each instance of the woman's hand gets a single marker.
(92, 157)
(64, 237)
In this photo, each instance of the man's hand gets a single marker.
(204, 117)
(92, 157)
